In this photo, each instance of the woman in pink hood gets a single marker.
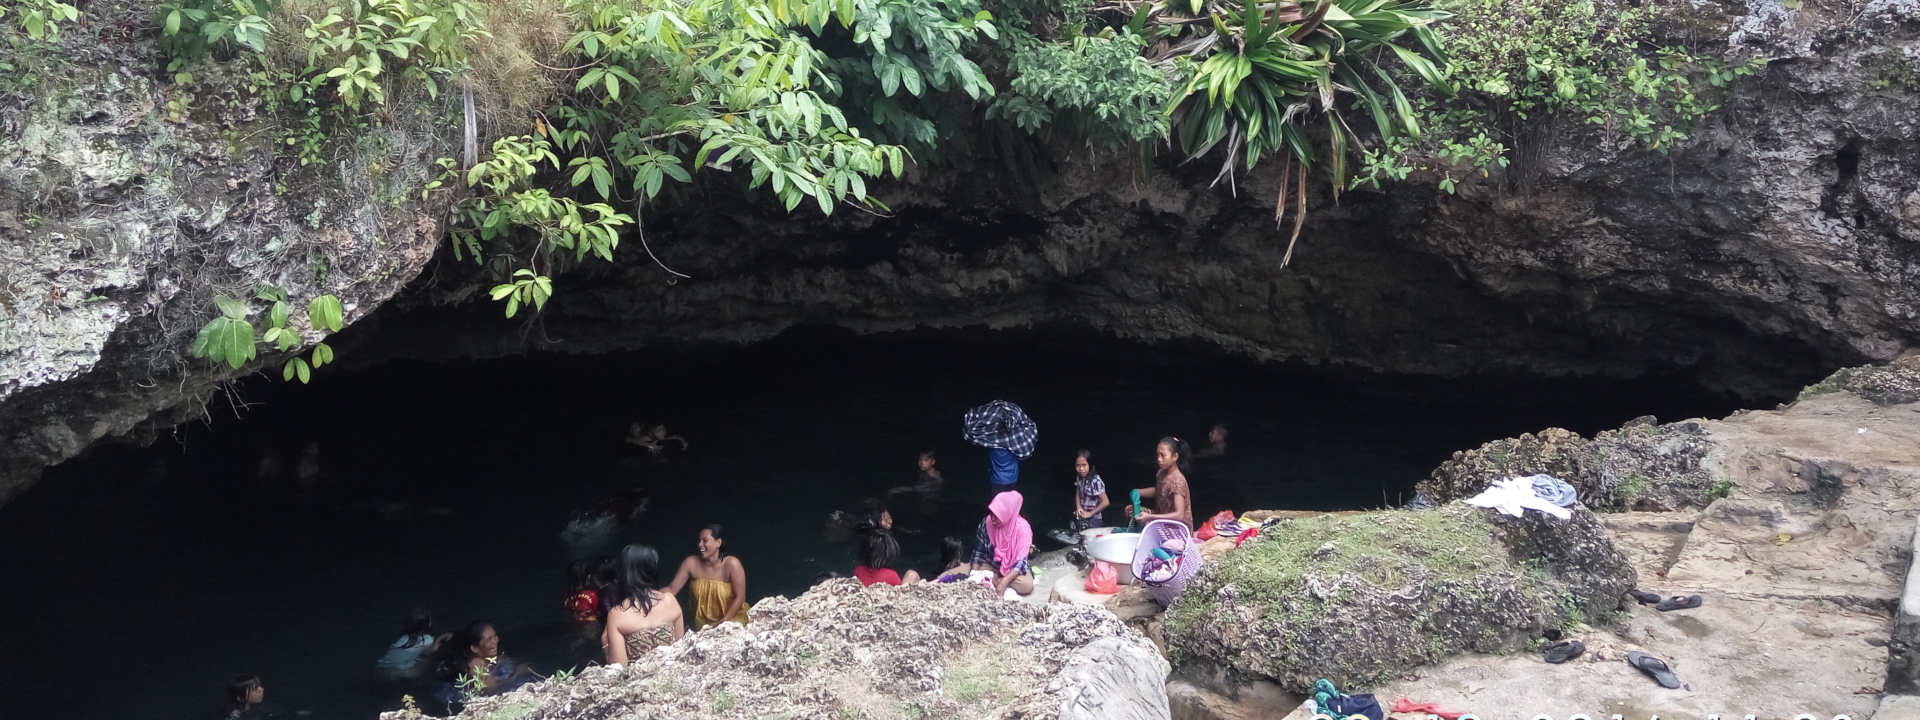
(1002, 544)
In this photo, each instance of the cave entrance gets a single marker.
(161, 570)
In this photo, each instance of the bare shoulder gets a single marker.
(733, 564)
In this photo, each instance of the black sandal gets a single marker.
(1644, 597)
(1562, 652)
(1678, 602)
(1654, 668)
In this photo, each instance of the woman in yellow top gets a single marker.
(719, 582)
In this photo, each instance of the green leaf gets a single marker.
(231, 307)
(277, 317)
(326, 313)
(173, 23)
(322, 354)
(296, 367)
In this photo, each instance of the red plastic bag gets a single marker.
(1103, 579)
(1206, 532)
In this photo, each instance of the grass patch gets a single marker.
(977, 678)
(1386, 549)
(1833, 384)
(1722, 487)
(725, 700)
(1631, 489)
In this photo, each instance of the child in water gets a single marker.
(1089, 493)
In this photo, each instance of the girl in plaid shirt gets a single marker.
(1089, 493)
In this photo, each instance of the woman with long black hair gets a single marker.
(1172, 499)
(643, 617)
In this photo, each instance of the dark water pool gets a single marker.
(140, 578)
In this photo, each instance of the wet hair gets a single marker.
(951, 550)
(871, 509)
(418, 628)
(578, 575)
(1222, 427)
(1087, 455)
(1180, 453)
(239, 687)
(471, 637)
(606, 571)
(715, 530)
(878, 549)
(639, 577)
(928, 454)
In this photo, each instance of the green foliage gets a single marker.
(526, 289)
(192, 29)
(1097, 88)
(351, 47)
(1722, 486)
(229, 338)
(1515, 62)
(37, 19)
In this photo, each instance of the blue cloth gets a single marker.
(1003, 467)
(1345, 706)
(1000, 424)
(983, 552)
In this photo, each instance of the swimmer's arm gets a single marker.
(680, 578)
(738, 578)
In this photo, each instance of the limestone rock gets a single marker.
(844, 651)
(1398, 589)
(1641, 466)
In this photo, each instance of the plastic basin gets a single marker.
(1116, 550)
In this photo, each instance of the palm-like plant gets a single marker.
(1268, 70)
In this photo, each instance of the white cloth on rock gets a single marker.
(1513, 495)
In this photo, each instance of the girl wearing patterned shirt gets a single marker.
(1089, 493)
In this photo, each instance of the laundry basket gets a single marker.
(1154, 535)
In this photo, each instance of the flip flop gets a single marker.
(1678, 602)
(1644, 597)
(1562, 652)
(1654, 668)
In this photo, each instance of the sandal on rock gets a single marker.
(1562, 652)
(1644, 597)
(1654, 668)
(1678, 602)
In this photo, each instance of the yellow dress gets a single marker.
(710, 599)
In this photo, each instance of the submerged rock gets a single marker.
(843, 651)
(1361, 598)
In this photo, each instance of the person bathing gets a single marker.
(719, 582)
(1172, 500)
(409, 656)
(1002, 544)
(643, 617)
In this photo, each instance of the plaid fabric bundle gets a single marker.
(1001, 424)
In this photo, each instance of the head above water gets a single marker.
(1083, 463)
(245, 691)
(1218, 435)
(479, 641)
(926, 460)
(712, 540)
(639, 576)
(419, 626)
(1172, 452)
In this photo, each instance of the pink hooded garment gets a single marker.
(1011, 535)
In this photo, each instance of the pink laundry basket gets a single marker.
(1154, 535)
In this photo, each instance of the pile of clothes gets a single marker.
(1222, 523)
(1165, 561)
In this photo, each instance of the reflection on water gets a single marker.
(142, 578)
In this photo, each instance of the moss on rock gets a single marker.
(1361, 598)
(1640, 466)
